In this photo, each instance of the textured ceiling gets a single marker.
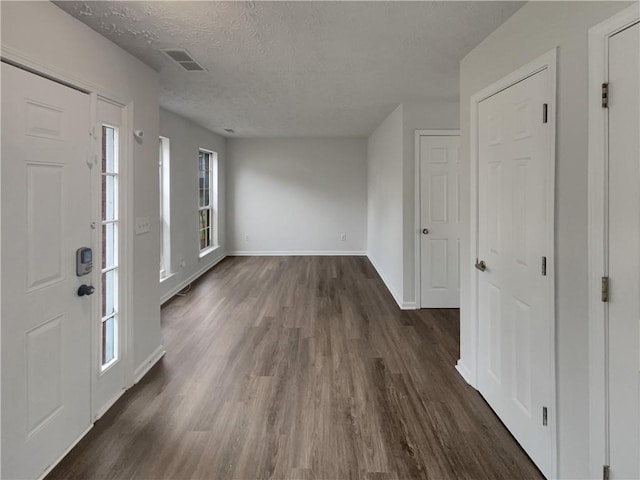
(298, 68)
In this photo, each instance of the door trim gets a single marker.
(124, 198)
(469, 372)
(599, 36)
(418, 205)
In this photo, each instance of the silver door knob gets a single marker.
(481, 265)
(425, 231)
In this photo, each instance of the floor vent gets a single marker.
(184, 59)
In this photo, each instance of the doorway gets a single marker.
(64, 349)
(438, 218)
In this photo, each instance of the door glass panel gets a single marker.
(108, 340)
(109, 151)
(109, 197)
(109, 246)
(109, 250)
(108, 293)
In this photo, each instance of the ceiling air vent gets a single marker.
(184, 59)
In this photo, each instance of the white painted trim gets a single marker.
(463, 371)
(65, 453)
(296, 253)
(402, 305)
(548, 62)
(148, 364)
(417, 260)
(171, 293)
(105, 408)
(19, 59)
(599, 37)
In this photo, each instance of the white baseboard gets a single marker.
(151, 360)
(464, 372)
(109, 404)
(393, 293)
(296, 253)
(171, 293)
(64, 454)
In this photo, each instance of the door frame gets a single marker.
(599, 37)
(418, 205)
(547, 61)
(126, 240)
(18, 59)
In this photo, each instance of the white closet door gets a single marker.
(624, 255)
(515, 348)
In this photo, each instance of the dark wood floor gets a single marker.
(300, 368)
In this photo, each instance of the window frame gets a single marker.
(211, 205)
(164, 185)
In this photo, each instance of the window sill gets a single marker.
(208, 251)
(166, 277)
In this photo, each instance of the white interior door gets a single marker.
(440, 221)
(624, 254)
(45, 324)
(514, 350)
(109, 380)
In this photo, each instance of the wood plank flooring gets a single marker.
(300, 368)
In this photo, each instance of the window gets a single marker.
(208, 200)
(109, 247)
(165, 214)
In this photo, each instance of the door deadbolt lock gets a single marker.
(425, 231)
(86, 290)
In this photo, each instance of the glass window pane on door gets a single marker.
(108, 340)
(109, 238)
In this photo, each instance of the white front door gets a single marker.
(439, 221)
(46, 326)
(624, 254)
(514, 351)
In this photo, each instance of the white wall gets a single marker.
(185, 139)
(296, 195)
(391, 233)
(533, 30)
(42, 34)
(436, 115)
(384, 209)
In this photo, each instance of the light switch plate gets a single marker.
(143, 225)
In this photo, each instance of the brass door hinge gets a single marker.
(605, 95)
(605, 289)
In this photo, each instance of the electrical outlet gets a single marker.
(183, 264)
(246, 238)
(343, 237)
(143, 225)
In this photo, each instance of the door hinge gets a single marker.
(544, 416)
(605, 472)
(605, 95)
(605, 289)
(545, 113)
(544, 266)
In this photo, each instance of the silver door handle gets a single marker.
(425, 231)
(481, 265)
